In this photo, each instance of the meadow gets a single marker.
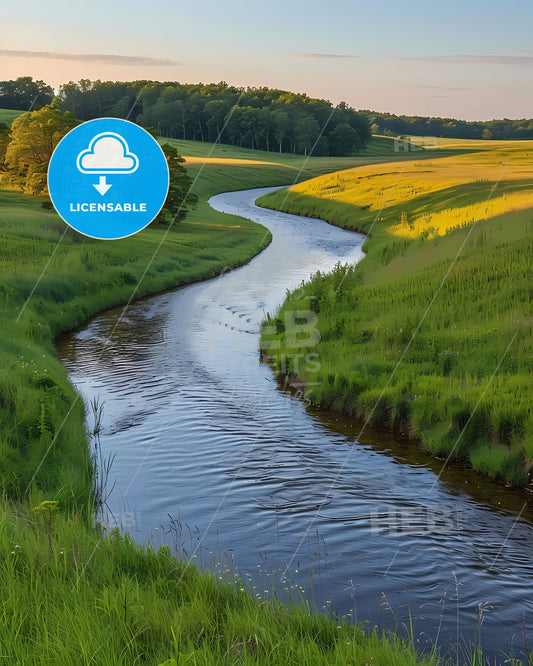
(8, 115)
(430, 334)
(71, 592)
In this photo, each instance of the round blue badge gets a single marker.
(108, 178)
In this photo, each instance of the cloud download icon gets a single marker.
(107, 153)
(108, 147)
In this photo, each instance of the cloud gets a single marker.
(522, 58)
(106, 59)
(439, 88)
(107, 153)
(321, 55)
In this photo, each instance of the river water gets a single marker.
(240, 476)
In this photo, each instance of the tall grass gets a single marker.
(443, 392)
(73, 596)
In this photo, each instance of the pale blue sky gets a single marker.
(469, 59)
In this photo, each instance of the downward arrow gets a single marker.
(102, 186)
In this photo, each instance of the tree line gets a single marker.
(260, 118)
(389, 124)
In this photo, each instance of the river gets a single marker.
(240, 476)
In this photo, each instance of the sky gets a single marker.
(468, 59)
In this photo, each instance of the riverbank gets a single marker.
(453, 234)
(84, 276)
(72, 597)
(70, 593)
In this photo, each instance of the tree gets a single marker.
(34, 137)
(4, 142)
(281, 122)
(215, 111)
(306, 132)
(24, 93)
(486, 134)
(344, 140)
(179, 198)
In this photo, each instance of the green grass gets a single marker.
(84, 276)
(378, 150)
(367, 317)
(8, 115)
(70, 596)
(378, 146)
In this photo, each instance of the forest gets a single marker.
(258, 118)
(390, 124)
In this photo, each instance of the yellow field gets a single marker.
(409, 185)
(437, 224)
(229, 161)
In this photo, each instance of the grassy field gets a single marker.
(384, 356)
(8, 115)
(70, 594)
(433, 196)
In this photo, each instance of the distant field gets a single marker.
(432, 143)
(432, 196)
(9, 115)
(379, 149)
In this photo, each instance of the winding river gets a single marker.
(240, 476)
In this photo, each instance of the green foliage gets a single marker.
(4, 142)
(257, 118)
(25, 93)
(393, 125)
(344, 140)
(367, 324)
(179, 199)
(33, 138)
